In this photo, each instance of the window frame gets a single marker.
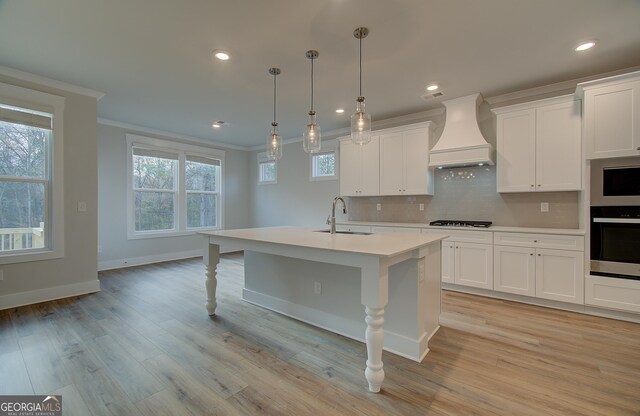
(262, 159)
(180, 205)
(323, 151)
(54, 191)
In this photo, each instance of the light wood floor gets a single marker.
(145, 346)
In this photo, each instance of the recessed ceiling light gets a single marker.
(216, 126)
(340, 110)
(432, 87)
(586, 45)
(221, 54)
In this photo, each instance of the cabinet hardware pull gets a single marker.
(538, 184)
(535, 241)
(539, 255)
(531, 254)
(638, 148)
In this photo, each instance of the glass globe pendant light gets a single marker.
(360, 120)
(274, 141)
(311, 135)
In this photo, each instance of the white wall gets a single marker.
(117, 251)
(294, 200)
(76, 272)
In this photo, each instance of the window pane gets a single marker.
(154, 172)
(201, 176)
(324, 164)
(22, 211)
(267, 171)
(201, 210)
(153, 211)
(23, 150)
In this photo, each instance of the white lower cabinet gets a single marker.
(467, 258)
(614, 293)
(532, 266)
(515, 270)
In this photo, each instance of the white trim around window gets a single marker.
(54, 193)
(266, 167)
(314, 174)
(182, 152)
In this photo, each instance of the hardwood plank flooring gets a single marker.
(144, 345)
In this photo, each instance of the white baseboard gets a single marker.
(155, 258)
(571, 307)
(413, 349)
(51, 293)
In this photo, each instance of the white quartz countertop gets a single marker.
(382, 245)
(494, 228)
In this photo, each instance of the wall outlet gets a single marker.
(379, 207)
(544, 207)
(82, 206)
(421, 207)
(317, 288)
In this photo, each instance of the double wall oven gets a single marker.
(615, 218)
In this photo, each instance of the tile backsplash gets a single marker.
(470, 194)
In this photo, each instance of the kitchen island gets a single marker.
(402, 270)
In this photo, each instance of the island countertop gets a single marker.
(381, 245)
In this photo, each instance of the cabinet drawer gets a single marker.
(609, 292)
(552, 241)
(482, 237)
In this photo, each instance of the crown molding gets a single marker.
(169, 135)
(558, 88)
(48, 82)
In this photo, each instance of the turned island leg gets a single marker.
(375, 293)
(211, 260)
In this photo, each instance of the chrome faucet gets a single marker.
(333, 212)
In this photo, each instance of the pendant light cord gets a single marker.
(274, 97)
(360, 66)
(312, 59)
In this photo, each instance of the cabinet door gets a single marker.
(516, 151)
(448, 262)
(474, 265)
(350, 168)
(560, 275)
(514, 270)
(370, 168)
(612, 120)
(559, 147)
(391, 164)
(417, 175)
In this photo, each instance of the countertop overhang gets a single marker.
(382, 244)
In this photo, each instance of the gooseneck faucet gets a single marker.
(333, 212)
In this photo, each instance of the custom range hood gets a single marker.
(461, 143)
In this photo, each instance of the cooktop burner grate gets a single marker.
(461, 223)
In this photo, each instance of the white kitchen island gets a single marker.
(397, 271)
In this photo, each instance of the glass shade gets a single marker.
(311, 137)
(360, 124)
(274, 145)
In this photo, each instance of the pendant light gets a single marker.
(360, 120)
(274, 141)
(311, 136)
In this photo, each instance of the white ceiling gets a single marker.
(153, 60)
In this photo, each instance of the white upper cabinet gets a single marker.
(395, 162)
(539, 146)
(404, 162)
(359, 168)
(612, 116)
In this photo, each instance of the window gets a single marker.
(267, 170)
(175, 189)
(30, 158)
(323, 165)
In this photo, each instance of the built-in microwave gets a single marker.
(615, 182)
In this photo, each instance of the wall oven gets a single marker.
(615, 241)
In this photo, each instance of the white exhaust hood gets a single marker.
(461, 143)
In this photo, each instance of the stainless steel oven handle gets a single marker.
(618, 220)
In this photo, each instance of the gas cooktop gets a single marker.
(461, 223)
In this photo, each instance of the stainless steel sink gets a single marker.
(344, 232)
